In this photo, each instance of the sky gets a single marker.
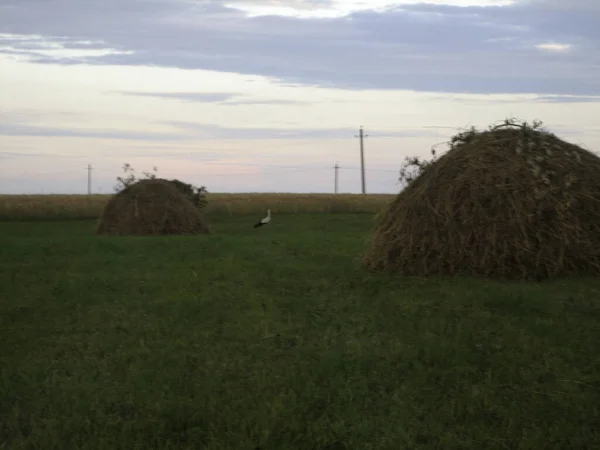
(267, 95)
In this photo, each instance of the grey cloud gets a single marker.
(165, 153)
(201, 97)
(567, 99)
(168, 151)
(168, 154)
(264, 102)
(189, 131)
(17, 155)
(16, 129)
(218, 132)
(420, 47)
(222, 98)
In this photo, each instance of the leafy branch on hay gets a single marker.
(197, 195)
(467, 136)
(130, 177)
(413, 166)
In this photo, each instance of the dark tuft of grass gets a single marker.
(277, 339)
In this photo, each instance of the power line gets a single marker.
(266, 169)
(371, 170)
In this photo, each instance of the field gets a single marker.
(276, 338)
(61, 207)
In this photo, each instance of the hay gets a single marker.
(512, 202)
(151, 207)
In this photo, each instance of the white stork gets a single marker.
(264, 220)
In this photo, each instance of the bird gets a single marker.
(264, 221)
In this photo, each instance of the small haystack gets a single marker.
(151, 207)
(510, 202)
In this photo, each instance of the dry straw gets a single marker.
(511, 202)
(151, 207)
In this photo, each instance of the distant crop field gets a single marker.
(278, 339)
(89, 207)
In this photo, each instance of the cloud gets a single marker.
(27, 115)
(200, 97)
(423, 47)
(191, 131)
(19, 155)
(553, 47)
(222, 98)
(206, 131)
(265, 102)
(567, 99)
(17, 129)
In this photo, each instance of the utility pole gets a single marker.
(336, 177)
(89, 179)
(361, 135)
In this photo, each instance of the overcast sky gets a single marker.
(267, 95)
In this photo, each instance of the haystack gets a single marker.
(151, 207)
(512, 202)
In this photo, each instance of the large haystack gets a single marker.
(151, 207)
(511, 202)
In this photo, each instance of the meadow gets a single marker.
(276, 338)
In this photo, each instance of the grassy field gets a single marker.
(275, 338)
(61, 207)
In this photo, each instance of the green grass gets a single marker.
(276, 339)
